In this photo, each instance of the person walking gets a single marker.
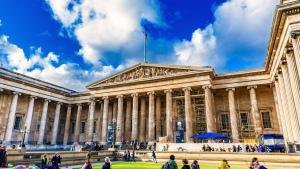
(44, 162)
(56, 159)
(133, 155)
(89, 156)
(185, 164)
(171, 163)
(195, 165)
(106, 164)
(224, 165)
(154, 156)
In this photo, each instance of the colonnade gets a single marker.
(287, 90)
(131, 121)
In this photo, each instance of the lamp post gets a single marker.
(114, 132)
(23, 138)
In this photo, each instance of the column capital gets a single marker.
(230, 89)
(92, 99)
(1, 90)
(16, 93)
(151, 93)
(70, 105)
(168, 91)
(119, 96)
(33, 97)
(105, 97)
(79, 104)
(47, 100)
(59, 103)
(185, 89)
(294, 34)
(207, 87)
(289, 49)
(252, 87)
(283, 61)
(135, 94)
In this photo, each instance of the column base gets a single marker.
(118, 143)
(103, 142)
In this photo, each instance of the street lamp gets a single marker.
(23, 138)
(113, 128)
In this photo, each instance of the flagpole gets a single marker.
(145, 47)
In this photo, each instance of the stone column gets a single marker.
(91, 119)
(142, 125)
(291, 102)
(294, 79)
(135, 116)
(127, 133)
(77, 125)
(55, 123)
(254, 110)
(120, 121)
(67, 125)
(272, 85)
(151, 118)
(43, 122)
(105, 120)
(169, 116)
(296, 46)
(11, 117)
(158, 117)
(233, 115)
(188, 114)
(99, 124)
(29, 118)
(115, 110)
(210, 123)
(285, 106)
(281, 112)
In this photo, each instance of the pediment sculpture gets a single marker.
(144, 72)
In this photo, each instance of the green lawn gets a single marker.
(139, 165)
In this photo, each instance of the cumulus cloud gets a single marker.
(102, 26)
(48, 68)
(240, 32)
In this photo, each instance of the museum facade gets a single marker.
(150, 102)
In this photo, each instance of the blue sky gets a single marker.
(74, 43)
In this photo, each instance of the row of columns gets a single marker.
(135, 126)
(287, 90)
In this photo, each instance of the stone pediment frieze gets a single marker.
(147, 72)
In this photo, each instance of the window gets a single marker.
(73, 127)
(94, 126)
(224, 122)
(82, 127)
(244, 121)
(266, 119)
(18, 121)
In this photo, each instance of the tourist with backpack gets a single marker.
(195, 165)
(171, 164)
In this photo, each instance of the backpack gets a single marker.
(165, 166)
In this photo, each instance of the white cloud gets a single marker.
(240, 31)
(102, 26)
(69, 75)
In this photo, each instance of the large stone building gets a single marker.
(148, 101)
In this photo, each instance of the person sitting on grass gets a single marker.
(255, 164)
(195, 165)
(106, 164)
(224, 165)
(185, 164)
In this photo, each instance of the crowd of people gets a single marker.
(53, 164)
(3, 157)
(235, 148)
(171, 164)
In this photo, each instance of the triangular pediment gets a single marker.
(143, 72)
